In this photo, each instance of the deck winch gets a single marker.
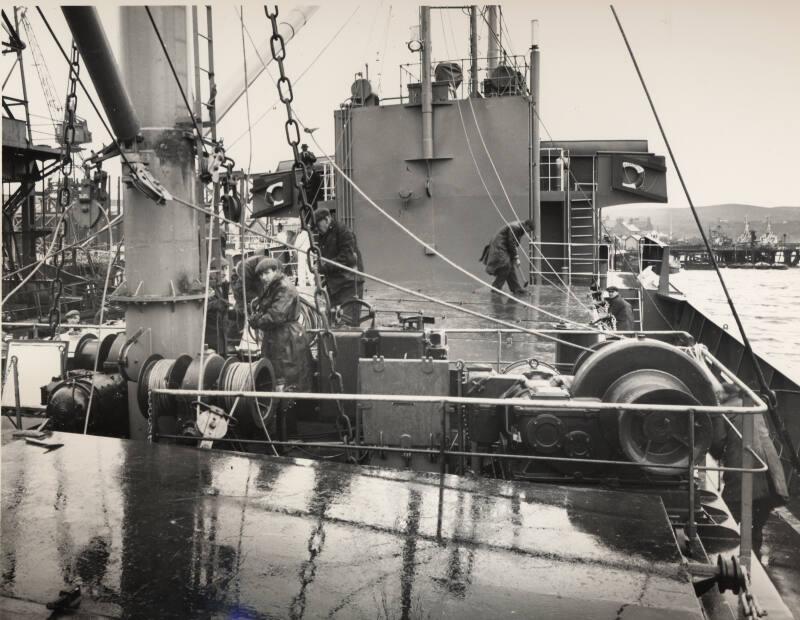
(627, 371)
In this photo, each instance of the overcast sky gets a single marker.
(725, 76)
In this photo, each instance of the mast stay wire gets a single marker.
(177, 79)
(270, 107)
(247, 198)
(769, 394)
(567, 288)
(111, 260)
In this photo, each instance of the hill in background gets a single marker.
(731, 217)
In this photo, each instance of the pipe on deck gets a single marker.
(90, 37)
(473, 50)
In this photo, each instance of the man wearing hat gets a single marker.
(277, 312)
(620, 309)
(501, 258)
(338, 243)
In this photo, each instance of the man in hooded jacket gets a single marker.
(277, 313)
(621, 310)
(338, 243)
(501, 258)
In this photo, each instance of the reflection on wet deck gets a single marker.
(161, 531)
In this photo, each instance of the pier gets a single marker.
(780, 256)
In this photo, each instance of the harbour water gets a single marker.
(767, 302)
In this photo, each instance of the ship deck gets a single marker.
(163, 531)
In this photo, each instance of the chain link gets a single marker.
(302, 176)
(64, 192)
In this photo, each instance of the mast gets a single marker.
(162, 242)
(473, 50)
(536, 205)
(427, 87)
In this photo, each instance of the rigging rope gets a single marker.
(248, 198)
(100, 318)
(769, 394)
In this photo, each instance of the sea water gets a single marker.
(768, 303)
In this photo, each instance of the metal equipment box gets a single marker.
(399, 423)
(348, 346)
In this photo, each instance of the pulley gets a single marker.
(231, 207)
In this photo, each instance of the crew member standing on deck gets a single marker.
(501, 258)
(620, 309)
(277, 313)
(769, 488)
(338, 243)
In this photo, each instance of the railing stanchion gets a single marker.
(746, 524)
(691, 526)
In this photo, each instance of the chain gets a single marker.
(150, 422)
(302, 176)
(64, 191)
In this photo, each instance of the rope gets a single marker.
(177, 79)
(240, 376)
(771, 399)
(158, 380)
(102, 312)
(242, 228)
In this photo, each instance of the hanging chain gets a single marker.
(308, 221)
(64, 192)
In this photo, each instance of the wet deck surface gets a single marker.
(469, 296)
(158, 531)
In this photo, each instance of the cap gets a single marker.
(529, 224)
(612, 289)
(321, 213)
(72, 314)
(267, 263)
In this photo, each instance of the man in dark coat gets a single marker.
(244, 277)
(338, 243)
(277, 312)
(769, 488)
(620, 309)
(501, 258)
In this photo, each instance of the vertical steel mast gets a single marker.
(162, 242)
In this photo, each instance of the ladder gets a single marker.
(581, 233)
